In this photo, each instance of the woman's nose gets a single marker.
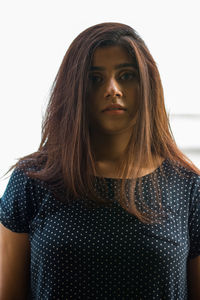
(112, 89)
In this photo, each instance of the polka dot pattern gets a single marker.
(105, 252)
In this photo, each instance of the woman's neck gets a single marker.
(110, 148)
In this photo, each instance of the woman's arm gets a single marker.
(194, 278)
(14, 264)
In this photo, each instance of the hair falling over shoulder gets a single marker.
(64, 160)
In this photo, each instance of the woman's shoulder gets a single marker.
(22, 179)
(28, 170)
(28, 165)
(22, 198)
(181, 174)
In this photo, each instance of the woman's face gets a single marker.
(113, 79)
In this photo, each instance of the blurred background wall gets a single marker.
(36, 34)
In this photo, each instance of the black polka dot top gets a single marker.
(105, 252)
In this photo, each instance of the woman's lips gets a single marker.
(114, 111)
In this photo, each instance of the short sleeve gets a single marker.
(194, 221)
(15, 206)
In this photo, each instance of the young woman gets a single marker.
(108, 207)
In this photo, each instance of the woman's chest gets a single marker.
(107, 233)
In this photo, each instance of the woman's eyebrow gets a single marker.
(123, 65)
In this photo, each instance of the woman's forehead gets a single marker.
(111, 54)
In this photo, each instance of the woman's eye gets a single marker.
(96, 79)
(127, 76)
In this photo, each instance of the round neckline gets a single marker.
(141, 177)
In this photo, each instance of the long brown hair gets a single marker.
(64, 160)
